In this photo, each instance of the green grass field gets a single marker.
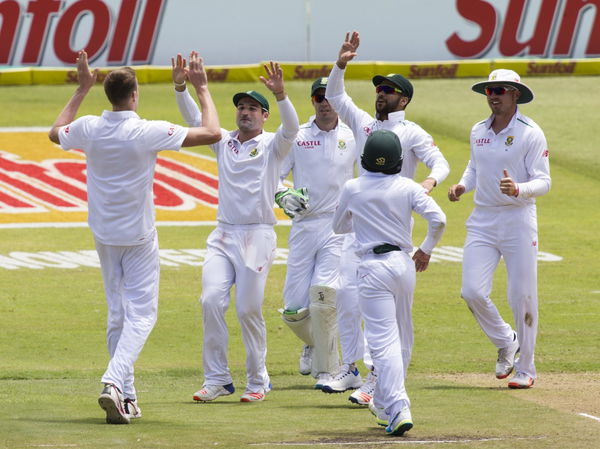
(52, 321)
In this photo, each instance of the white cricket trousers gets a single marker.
(314, 258)
(240, 255)
(508, 232)
(352, 339)
(131, 277)
(386, 284)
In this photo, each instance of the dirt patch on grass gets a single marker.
(570, 392)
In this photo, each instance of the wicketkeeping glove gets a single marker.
(294, 202)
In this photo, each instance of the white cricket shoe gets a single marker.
(380, 415)
(364, 394)
(506, 359)
(211, 392)
(323, 379)
(111, 401)
(401, 423)
(132, 409)
(520, 381)
(348, 378)
(255, 396)
(306, 360)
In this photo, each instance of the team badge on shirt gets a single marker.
(341, 144)
(253, 153)
(509, 141)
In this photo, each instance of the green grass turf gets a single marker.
(52, 321)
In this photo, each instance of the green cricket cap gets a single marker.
(397, 80)
(254, 95)
(320, 83)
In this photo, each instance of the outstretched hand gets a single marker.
(196, 72)
(348, 50)
(179, 72)
(85, 77)
(274, 82)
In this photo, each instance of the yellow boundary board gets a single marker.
(311, 70)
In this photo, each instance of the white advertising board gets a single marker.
(48, 33)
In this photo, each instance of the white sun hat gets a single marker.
(507, 77)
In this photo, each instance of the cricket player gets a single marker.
(378, 206)
(508, 168)
(241, 249)
(393, 94)
(121, 150)
(322, 159)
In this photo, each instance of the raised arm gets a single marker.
(348, 50)
(290, 125)
(86, 79)
(210, 131)
(187, 106)
(335, 92)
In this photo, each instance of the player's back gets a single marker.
(381, 206)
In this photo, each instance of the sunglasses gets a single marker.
(497, 90)
(318, 98)
(387, 89)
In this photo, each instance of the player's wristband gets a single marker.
(179, 84)
(516, 190)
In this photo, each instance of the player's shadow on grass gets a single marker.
(463, 387)
(89, 421)
(297, 387)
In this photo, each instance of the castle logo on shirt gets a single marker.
(308, 144)
(482, 142)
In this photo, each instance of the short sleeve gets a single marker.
(74, 135)
(160, 135)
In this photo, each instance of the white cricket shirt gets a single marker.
(249, 171)
(521, 149)
(321, 161)
(121, 150)
(417, 145)
(378, 208)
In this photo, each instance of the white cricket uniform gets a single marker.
(121, 152)
(321, 161)
(504, 226)
(417, 145)
(378, 208)
(241, 249)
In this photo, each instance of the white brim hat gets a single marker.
(508, 77)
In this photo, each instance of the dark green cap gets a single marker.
(382, 153)
(320, 83)
(254, 95)
(398, 80)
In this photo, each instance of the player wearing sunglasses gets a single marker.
(393, 93)
(322, 159)
(508, 168)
